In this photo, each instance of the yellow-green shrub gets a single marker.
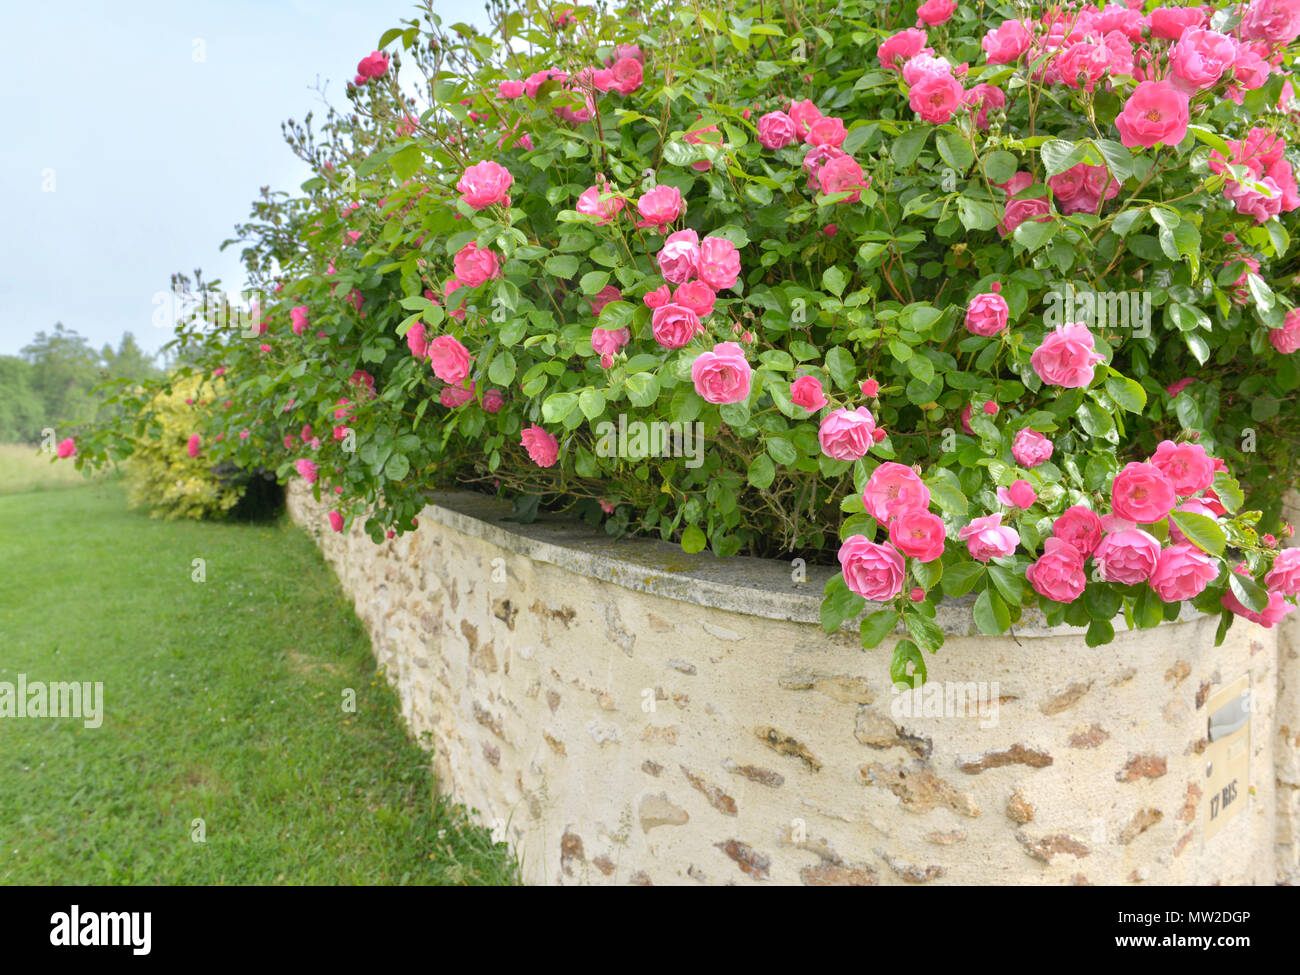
(162, 476)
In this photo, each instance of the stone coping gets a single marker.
(741, 584)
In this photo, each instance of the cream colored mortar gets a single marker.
(771, 754)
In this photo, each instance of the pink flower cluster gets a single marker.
(830, 169)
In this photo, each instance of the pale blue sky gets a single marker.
(154, 155)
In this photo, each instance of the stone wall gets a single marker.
(624, 713)
(1287, 738)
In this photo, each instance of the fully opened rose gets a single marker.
(722, 375)
(871, 570)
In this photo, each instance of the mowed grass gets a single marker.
(24, 468)
(223, 702)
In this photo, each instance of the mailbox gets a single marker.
(1227, 756)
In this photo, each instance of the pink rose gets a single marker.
(660, 207)
(1157, 111)
(493, 400)
(1006, 43)
(1287, 338)
(723, 375)
(674, 326)
(1128, 557)
(846, 434)
(935, 12)
(628, 75)
(609, 341)
(1182, 572)
(901, 47)
(1284, 577)
(450, 359)
(918, 534)
(987, 313)
(454, 396)
(1082, 187)
(1058, 573)
(870, 387)
(1187, 466)
(697, 296)
(543, 449)
(484, 184)
(719, 263)
(843, 174)
(871, 570)
(475, 266)
(1017, 212)
(1275, 21)
(373, 65)
(1066, 357)
(415, 340)
(1030, 448)
(925, 64)
(982, 99)
(1277, 606)
(1199, 59)
(192, 445)
(458, 312)
(660, 296)
(298, 319)
(987, 538)
(679, 259)
(1080, 527)
(336, 521)
(307, 470)
(67, 447)
(935, 97)
(892, 489)
(1168, 23)
(827, 131)
(806, 391)
(603, 297)
(1141, 493)
(510, 89)
(776, 130)
(1021, 494)
(1083, 64)
(803, 114)
(603, 211)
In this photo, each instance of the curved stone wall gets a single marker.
(624, 713)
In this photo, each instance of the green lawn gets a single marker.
(23, 468)
(223, 701)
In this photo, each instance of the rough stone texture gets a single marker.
(1287, 728)
(633, 718)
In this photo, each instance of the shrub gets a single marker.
(170, 472)
(972, 304)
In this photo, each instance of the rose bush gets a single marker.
(978, 300)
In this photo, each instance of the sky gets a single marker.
(137, 134)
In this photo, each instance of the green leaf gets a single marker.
(834, 279)
(593, 281)
(906, 652)
(976, 214)
(1033, 234)
(397, 467)
(562, 265)
(642, 388)
(592, 403)
(693, 540)
(954, 151)
(557, 406)
(946, 492)
(502, 370)
(909, 145)
(840, 364)
(1201, 530)
(1229, 491)
(1059, 155)
(1100, 632)
(1250, 593)
(961, 577)
(876, 626)
(407, 162)
(1128, 393)
(761, 471)
(1009, 583)
(924, 631)
(991, 613)
(927, 573)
